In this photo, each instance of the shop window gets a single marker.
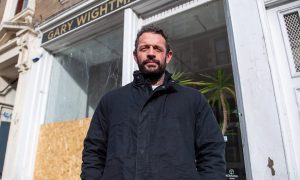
(82, 74)
(21, 4)
(5, 119)
(200, 46)
(221, 51)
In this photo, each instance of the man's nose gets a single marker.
(151, 53)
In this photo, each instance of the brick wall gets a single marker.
(46, 9)
(2, 6)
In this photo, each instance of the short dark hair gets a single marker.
(153, 29)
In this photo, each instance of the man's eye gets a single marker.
(143, 48)
(158, 49)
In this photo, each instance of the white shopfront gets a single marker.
(247, 39)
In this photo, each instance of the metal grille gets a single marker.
(292, 23)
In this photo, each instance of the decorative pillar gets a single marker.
(20, 130)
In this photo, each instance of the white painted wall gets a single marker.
(260, 123)
(269, 3)
(282, 64)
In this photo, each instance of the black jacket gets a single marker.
(166, 134)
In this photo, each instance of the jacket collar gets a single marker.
(140, 80)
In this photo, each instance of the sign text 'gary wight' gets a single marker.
(84, 18)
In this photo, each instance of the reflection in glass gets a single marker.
(81, 75)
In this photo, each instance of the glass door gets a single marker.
(199, 40)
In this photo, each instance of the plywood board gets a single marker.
(60, 150)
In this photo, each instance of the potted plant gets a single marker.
(217, 89)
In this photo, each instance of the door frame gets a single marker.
(284, 71)
(133, 22)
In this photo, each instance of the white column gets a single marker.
(131, 25)
(260, 124)
(29, 111)
(33, 115)
(24, 68)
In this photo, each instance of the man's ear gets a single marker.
(169, 56)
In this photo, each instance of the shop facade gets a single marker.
(85, 51)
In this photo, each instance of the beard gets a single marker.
(151, 73)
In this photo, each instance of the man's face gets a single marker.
(151, 55)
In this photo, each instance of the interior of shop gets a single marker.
(82, 74)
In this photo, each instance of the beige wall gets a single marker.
(45, 9)
(7, 96)
(2, 6)
(8, 81)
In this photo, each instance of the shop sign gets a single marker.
(102, 9)
(232, 174)
(5, 113)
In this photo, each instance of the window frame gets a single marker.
(10, 11)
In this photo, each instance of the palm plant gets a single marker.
(178, 76)
(217, 89)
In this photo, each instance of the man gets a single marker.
(153, 128)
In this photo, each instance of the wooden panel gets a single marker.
(60, 150)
